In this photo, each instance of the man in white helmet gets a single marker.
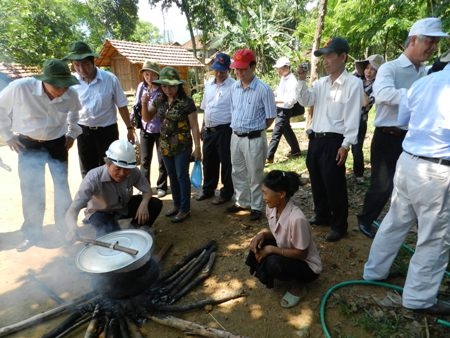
(107, 194)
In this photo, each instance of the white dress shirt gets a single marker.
(337, 105)
(286, 91)
(100, 99)
(26, 109)
(391, 84)
(216, 102)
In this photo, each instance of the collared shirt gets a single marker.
(286, 91)
(98, 192)
(337, 105)
(392, 82)
(26, 109)
(154, 125)
(251, 106)
(100, 99)
(217, 102)
(292, 230)
(426, 111)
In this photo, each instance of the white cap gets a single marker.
(281, 62)
(122, 154)
(427, 27)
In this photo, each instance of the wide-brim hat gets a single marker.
(78, 51)
(376, 60)
(336, 45)
(56, 72)
(168, 76)
(150, 66)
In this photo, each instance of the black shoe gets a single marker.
(333, 236)
(255, 215)
(220, 200)
(204, 197)
(439, 309)
(172, 212)
(235, 208)
(290, 154)
(318, 221)
(25, 245)
(367, 231)
(181, 216)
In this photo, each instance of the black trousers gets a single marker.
(106, 222)
(92, 145)
(328, 182)
(282, 127)
(148, 142)
(279, 267)
(384, 153)
(217, 160)
(357, 149)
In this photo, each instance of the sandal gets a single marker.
(289, 300)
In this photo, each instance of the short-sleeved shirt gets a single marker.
(175, 127)
(98, 192)
(292, 230)
(100, 99)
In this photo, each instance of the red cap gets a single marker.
(242, 58)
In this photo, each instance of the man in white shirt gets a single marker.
(391, 84)
(101, 95)
(38, 120)
(285, 98)
(216, 132)
(337, 100)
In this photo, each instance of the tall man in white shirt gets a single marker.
(421, 192)
(101, 95)
(337, 99)
(285, 98)
(38, 120)
(216, 132)
(391, 84)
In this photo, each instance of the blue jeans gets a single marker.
(180, 184)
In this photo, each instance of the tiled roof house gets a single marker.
(125, 59)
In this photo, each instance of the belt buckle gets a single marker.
(93, 128)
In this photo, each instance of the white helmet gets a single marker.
(121, 153)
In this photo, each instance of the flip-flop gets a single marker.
(289, 300)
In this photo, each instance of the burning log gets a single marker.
(193, 328)
(94, 328)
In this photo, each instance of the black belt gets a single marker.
(32, 139)
(313, 135)
(431, 159)
(250, 134)
(392, 131)
(216, 128)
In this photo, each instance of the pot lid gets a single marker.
(97, 259)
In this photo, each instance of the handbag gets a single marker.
(196, 174)
(137, 116)
(297, 109)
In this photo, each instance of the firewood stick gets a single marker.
(200, 304)
(81, 322)
(193, 328)
(68, 322)
(41, 317)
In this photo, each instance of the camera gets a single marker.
(305, 66)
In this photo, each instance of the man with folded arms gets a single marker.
(392, 81)
(337, 100)
(252, 112)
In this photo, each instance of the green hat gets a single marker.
(78, 51)
(57, 73)
(150, 66)
(169, 77)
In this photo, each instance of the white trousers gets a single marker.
(247, 161)
(421, 192)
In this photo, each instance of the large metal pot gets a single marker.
(118, 274)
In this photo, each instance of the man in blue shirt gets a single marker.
(422, 192)
(252, 112)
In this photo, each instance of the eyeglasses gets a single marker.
(122, 162)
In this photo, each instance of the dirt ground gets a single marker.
(25, 276)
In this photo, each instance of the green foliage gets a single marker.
(146, 33)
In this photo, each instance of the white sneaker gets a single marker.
(161, 193)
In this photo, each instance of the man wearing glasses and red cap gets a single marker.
(252, 112)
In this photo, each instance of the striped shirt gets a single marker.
(251, 106)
